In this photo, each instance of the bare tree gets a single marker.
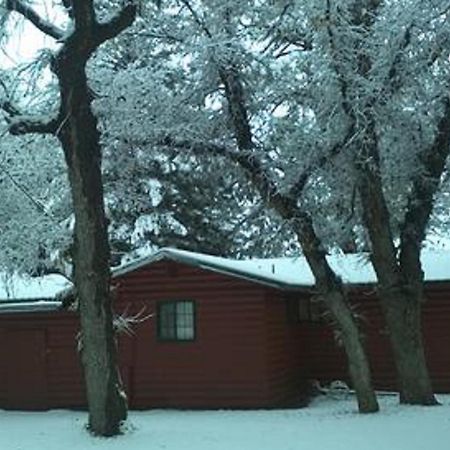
(75, 126)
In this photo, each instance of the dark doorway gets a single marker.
(26, 370)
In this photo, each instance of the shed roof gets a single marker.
(290, 273)
(20, 287)
(29, 306)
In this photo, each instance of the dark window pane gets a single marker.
(167, 321)
(176, 320)
(185, 320)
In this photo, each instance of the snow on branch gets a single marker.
(22, 124)
(298, 186)
(427, 182)
(252, 165)
(121, 21)
(19, 123)
(39, 22)
(123, 323)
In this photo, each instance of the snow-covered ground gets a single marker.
(327, 424)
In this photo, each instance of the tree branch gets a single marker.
(110, 29)
(9, 108)
(39, 22)
(424, 187)
(197, 18)
(19, 123)
(83, 14)
(28, 124)
(68, 6)
(249, 162)
(297, 188)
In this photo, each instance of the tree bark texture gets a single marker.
(80, 140)
(402, 310)
(333, 295)
(328, 284)
(400, 289)
(76, 128)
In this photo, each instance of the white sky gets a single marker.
(27, 40)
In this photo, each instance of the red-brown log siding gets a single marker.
(224, 366)
(245, 354)
(62, 386)
(286, 353)
(327, 360)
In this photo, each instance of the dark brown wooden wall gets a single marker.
(246, 353)
(285, 346)
(327, 361)
(40, 366)
(224, 366)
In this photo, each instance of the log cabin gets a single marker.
(209, 332)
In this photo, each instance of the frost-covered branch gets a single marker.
(197, 18)
(121, 21)
(19, 123)
(424, 187)
(22, 124)
(39, 22)
(299, 185)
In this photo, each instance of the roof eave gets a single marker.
(185, 259)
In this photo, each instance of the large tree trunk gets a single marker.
(400, 281)
(76, 128)
(332, 292)
(402, 311)
(358, 364)
(400, 277)
(80, 140)
(328, 284)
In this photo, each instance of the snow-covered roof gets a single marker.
(29, 306)
(292, 272)
(18, 287)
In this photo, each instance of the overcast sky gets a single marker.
(27, 40)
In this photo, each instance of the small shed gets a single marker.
(218, 334)
(31, 322)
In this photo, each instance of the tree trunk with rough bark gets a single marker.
(402, 310)
(398, 269)
(358, 364)
(332, 293)
(80, 140)
(400, 285)
(76, 128)
(328, 284)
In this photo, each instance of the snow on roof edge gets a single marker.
(29, 306)
(16, 286)
(293, 272)
(198, 260)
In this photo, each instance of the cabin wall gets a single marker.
(223, 367)
(436, 328)
(246, 353)
(40, 366)
(327, 361)
(287, 353)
